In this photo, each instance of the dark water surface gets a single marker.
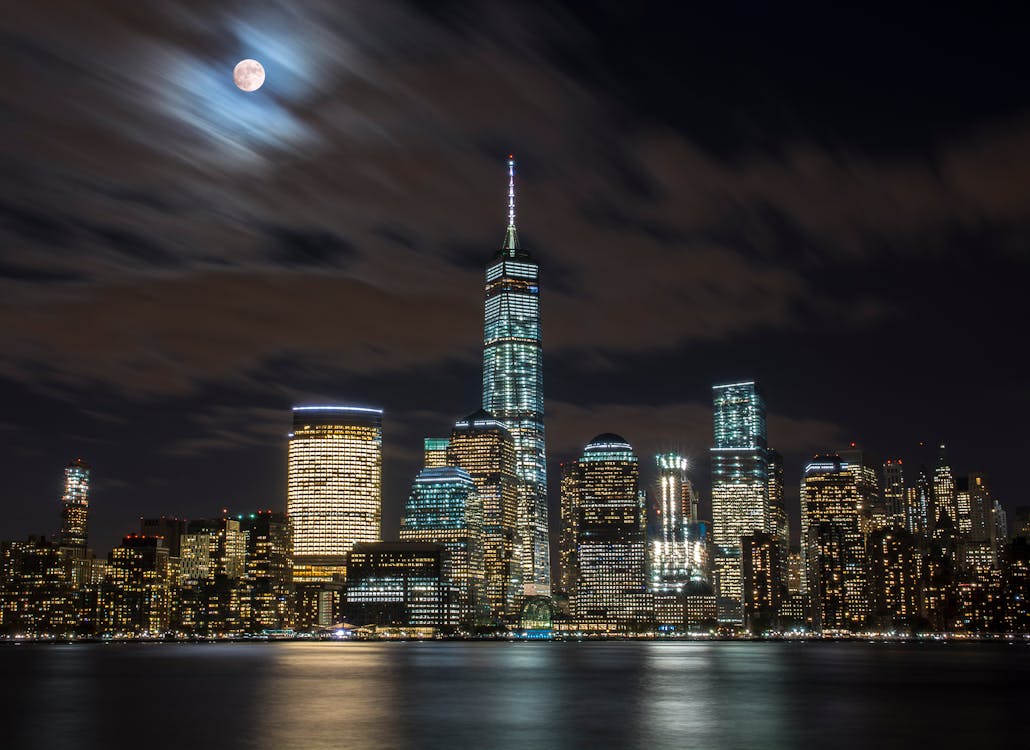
(514, 695)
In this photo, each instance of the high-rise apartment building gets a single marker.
(513, 387)
(894, 492)
(444, 508)
(779, 524)
(605, 528)
(894, 579)
(269, 569)
(482, 446)
(833, 544)
(134, 599)
(763, 565)
(334, 486)
(740, 485)
(74, 534)
(944, 489)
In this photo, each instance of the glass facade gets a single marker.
(605, 522)
(740, 485)
(444, 508)
(334, 485)
(833, 544)
(483, 447)
(513, 388)
(674, 561)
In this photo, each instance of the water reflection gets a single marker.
(511, 695)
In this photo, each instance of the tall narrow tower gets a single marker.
(75, 507)
(513, 387)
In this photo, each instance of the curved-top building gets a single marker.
(334, 486)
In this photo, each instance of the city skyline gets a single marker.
(160, 321)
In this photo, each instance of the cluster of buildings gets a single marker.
(879, 550)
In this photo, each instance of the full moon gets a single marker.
(248, 75)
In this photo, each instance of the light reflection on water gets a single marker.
(512, 695)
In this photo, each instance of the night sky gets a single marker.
(834, 202)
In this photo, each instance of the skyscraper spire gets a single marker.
(511, 237)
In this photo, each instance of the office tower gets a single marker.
(484, 448)
(269, 569)
(334, 486)
(608, 562)
(834, 547)
(400, 585)
(134, 598)
(740, 478)
(867, 480)
(671, 557)
(434, 452)
(35, 593)
(75, 508)
(921, 507)
(998, 527)
(765, 590)
(318, 605)
(779, 525)
(444, 508)
(944, 488)
(894, 492)
(893, 579)
(513, 387)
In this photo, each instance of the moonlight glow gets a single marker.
(248, 75)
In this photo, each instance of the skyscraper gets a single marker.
(513, 386)
(779, 525)
(75, 507)
(867, 480)
(334, 486)
(671, 558)
(944, 488)
(894, 491)
(483, 447)
(608, 562)
(893, 579)
(833, 544)
(444, 508)
(740, 477)
(763, 564)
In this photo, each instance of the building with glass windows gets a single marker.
(334, 486)
(833, 545)
(894, 498)
(482, 446)
(763, 565)
(867, 480)
(513, 387)
(604, 516)
(894, 588)
(944, 489)
(74, 534)
(740, 485)
(269, 569)
(673, 560)
(400, 585)
(134, 598)
(444, 508)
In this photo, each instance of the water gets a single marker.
(513, 695)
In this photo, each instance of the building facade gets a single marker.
(482, 446)
(740, 485)
(513, 387)
(334, 486)
(444, 508)
(607, 554)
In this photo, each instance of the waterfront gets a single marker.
(514, 695)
